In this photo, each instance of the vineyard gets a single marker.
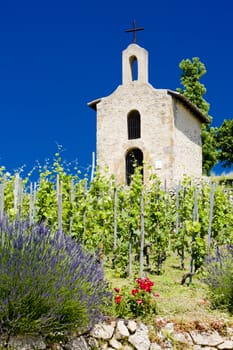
(128, 225)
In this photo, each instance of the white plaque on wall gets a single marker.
(158, 164)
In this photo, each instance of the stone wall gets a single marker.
(187, 150)
(157, 129)
(170, 132)
(128, 335)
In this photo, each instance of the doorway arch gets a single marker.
(133, 159)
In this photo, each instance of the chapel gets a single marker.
(138, 124)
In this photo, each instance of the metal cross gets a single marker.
(134, 30)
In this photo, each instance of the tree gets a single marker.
(209, 148)
(192, 71)
(224, 139)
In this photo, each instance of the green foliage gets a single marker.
(47, 282)
(192, 72)
(98, 231)
(209, 148)
(222, 225)
(219, 278)
(225, 143)
(159, 219)
(88, 209)
(128, 223)
(46, 201)
(184, 212)
(139, 301)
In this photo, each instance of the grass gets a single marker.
(185, 305)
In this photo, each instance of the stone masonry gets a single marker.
(170, 125)
(127, 335)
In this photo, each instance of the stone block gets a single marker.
(121, 330)
(102, 331)
(206, 339)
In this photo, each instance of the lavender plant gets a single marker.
(219, 278)
(47, 281)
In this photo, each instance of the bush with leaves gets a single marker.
(219, 278)
(139, 301)
(48, 282)
(159, 220)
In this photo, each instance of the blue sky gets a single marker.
(56, 56)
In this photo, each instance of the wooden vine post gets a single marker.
(177, 209)
(130, 268)
(71, 204)
(18, 195)
(31, 204)
(1, 201)
(115, 227)
(195, 219)
(142, 242)
(59, 202)
(210, 219)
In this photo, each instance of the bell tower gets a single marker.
(134, 65)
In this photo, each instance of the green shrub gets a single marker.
(139, 301)
(219, 278)
(47, 282)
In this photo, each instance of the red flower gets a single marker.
(118, 299)
(139, 280)
(149, 283)
(156, 295)
(145, 284)
(134, 291)
(141, 283)
(147, 288)
(139, 301)
(117, 290)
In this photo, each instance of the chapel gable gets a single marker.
(157, 129)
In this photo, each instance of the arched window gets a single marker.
(134, 67)
(133, 159)
(134, 125)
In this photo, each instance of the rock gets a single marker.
(77, 344)
(115, 343)
(132, 326)
(102, 331)
(229, 331)
(196, 347)
(142, 327)
(169, 327)
(184, 338)
(39, 344)
(135, 336)
(155, 346)
(93, 343)
(206, 339)
(56, 346)
(3, 344)
(26, 343)
(227, 344)
(121, 330)
(167, 344)
(140, 339)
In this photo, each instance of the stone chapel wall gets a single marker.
(170, 126)
(188, 150)
(157, 129)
